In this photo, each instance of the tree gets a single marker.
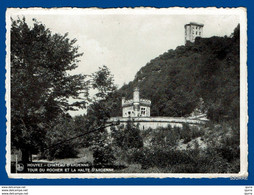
(41, 83)
(87, 130)
(102, 84)
(219, 77)
(98, 112)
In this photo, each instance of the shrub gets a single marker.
(63, 151)
(220, 156)
(103, 155)
(128, 137)
(186, 161)
(160, 158)
(58, 142)
(188, 133)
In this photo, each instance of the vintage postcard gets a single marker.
(126, 93)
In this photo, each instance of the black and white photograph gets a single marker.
(119, 93)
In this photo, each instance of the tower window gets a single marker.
(143, 111)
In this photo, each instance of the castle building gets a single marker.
(138, 111)
(136, 107)
(193, 30)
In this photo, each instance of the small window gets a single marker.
(199, 33)
(143, 111)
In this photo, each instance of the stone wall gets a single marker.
(155, 122)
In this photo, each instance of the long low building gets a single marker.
(137, 110)
(155, 122)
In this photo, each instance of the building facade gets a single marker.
(137, 111)
(193, 30)
(145, 123)
(136, 107)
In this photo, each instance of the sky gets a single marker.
(126, 40)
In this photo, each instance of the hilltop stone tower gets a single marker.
(136, 107)
(193, 30)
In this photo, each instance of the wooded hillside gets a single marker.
(203, 75)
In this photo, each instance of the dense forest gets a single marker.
(201, 75)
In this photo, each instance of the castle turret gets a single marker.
(136, 95)
(136, 102)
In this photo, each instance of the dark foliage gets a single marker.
(127, 137)
(103, 156)
(58, 142)
(40, 85)
(176, 80)
(160, 153)
(168, 137)
(188, 133)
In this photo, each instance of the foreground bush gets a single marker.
(187, 161)
(127, 137)
(222, 154)
(170, 136)
(59, 143)
(103, 156)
